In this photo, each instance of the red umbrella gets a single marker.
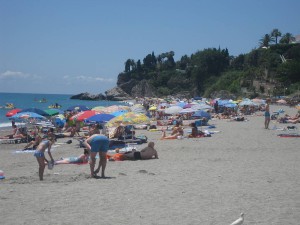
(84, 115)
(12, 112)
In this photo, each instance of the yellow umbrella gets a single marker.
(129, 119)
(152, 108)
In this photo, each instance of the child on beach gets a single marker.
(83, 158)
(267, 113)
(40, 155)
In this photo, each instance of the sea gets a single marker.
(23, 101)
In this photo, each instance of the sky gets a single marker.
(75, 46)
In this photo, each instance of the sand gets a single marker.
(211, 180)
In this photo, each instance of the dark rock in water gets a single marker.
(88, 96)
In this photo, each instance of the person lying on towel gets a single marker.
(83, 158)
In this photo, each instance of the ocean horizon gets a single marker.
(43, 101)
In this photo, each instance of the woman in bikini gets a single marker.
(40, 155)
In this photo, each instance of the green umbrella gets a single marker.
(52, 112)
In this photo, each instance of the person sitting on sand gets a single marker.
(71, 132)
(174, 135)
(40, 155)
(146, 153)
(194, 132)
(14, 132)
(83, 158)
(177, 128)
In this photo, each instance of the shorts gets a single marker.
(137, 155)
(39, 154)
(99, 144)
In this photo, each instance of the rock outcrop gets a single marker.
(88, 96)
(117, 94)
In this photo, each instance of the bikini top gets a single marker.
(46, 143)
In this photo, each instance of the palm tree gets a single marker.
(275, 33)
(287, 38)
(265, 41)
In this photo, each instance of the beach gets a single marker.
(242, 167)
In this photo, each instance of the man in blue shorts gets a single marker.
(97, 143)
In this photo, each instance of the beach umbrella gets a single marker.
(181, 104)
(202, 114)
(247, 102)
(153, 108)
(59, 120)
(99, 118)
(53, 112)
(201, 106)
(26, 115)
(173, 110)
(98, 108)
(189, 105)
(187, 110)
(35, 110)
(129, 118)
(230, 105)
(12, 112)
(259, 101)
(119, 113)
(81, 116)
(78, 108)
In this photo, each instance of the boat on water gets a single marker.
(9, 106)
(43, 100)
(54, 106)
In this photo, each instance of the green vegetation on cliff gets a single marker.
(272, 69)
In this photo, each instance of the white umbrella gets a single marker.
(173, 110)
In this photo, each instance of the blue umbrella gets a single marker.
(35, 110)
(119, 113)
(78, 108)
(26, 115)
(99, 118)
(202, 113)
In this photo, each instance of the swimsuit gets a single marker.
(99, 143)
(137, 155)
(267, 114)
(46, 143)
(75, 160)
(39, 154)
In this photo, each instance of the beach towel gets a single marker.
(11, 141)
(32, 150)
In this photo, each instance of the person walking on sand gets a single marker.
(40, 155)
(97, 143)
(267, 113)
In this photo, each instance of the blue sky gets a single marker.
(74, 46)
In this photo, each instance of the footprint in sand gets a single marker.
(143, 171)
(123, 174)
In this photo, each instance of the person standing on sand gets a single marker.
(267, 113)
(97, 143)
(40, 155)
